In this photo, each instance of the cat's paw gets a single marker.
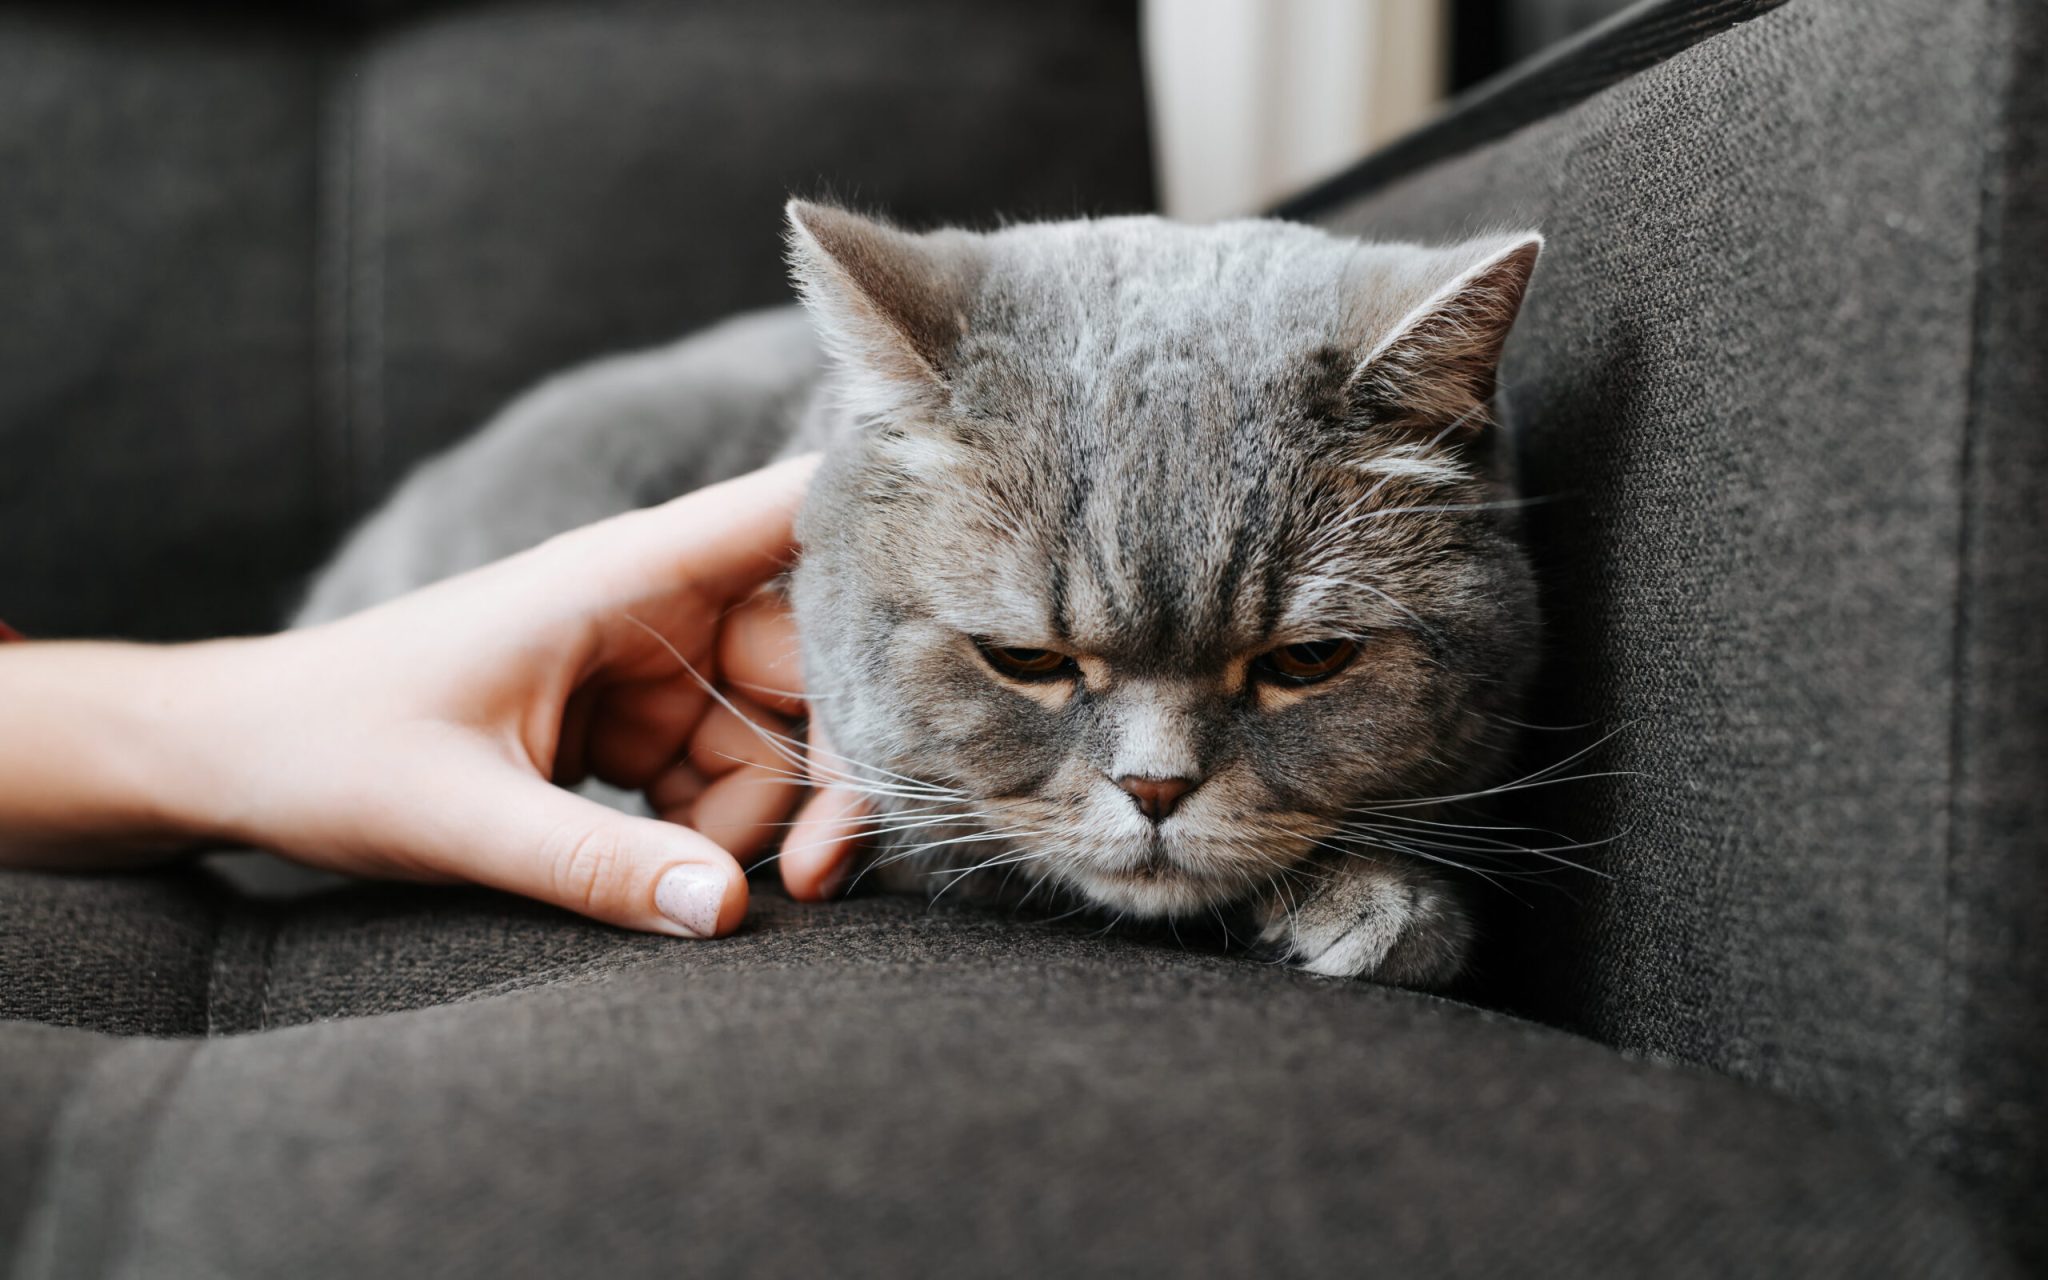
(1373, 921)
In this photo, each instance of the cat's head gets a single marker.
(1167, 546)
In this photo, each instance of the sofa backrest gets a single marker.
(1781, 377)
(256, 260)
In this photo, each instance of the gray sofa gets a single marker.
(1781, 378)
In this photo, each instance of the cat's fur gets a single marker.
(1163, 449)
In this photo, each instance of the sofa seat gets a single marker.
(481, 1087)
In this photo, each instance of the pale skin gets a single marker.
(422, 739)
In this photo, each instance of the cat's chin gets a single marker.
(1150, 893)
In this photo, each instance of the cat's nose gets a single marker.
(1156, 797)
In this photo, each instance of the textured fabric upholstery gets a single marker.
(877, 1089)
(1780, 375)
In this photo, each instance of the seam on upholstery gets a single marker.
(1951, 1105)
(370, 157)
(210, 1008)
(207, 999)
(265, 974)
(244, 945)
(333, 255)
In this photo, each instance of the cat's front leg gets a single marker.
(1358, 917)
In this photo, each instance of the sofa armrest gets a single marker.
(1780, 377)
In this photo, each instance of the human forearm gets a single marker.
(105, 750)
(109, 752)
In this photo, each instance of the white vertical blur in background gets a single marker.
(1251, 99)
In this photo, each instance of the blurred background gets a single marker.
(1253, 99)
(280, 254)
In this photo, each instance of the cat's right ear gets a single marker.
(891, 305)
(1436, 368)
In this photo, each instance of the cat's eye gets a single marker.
(1027, 664)
(1306, 663)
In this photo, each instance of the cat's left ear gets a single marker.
(891, 305)
(1436, 368)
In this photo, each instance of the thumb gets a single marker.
(532, 838)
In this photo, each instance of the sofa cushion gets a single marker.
(878, 1088)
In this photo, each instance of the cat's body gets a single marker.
(1161, 568)
(617, 434)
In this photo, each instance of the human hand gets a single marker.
(418, 740)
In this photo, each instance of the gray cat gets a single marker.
(1166, 569)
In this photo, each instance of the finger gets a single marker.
(829, 830)
(675, 791)
(640, 728)
(531, 838)
(572, 761)
(741, 734)
(758, 654)
(718, 543)
(819, 850)
(745, 809)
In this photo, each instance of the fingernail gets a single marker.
(692, 896)
(834, 881)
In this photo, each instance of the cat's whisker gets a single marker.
(1503, 789)
(877, 792)
(808, 757)
(885, 831)
(1440, 836)
(917, 848)
(1542, 728)
(891, 813)
(1495, 862)
(1488, 847)
(1221, 923)
(950, 813)
(1536, 778)
(1410, 820)
(793, 777)
(912, 804)
(1070, 914)
(1010, 860)
(1491, 877)
(1036, 885)
(1107, 929)
(771, 691)
(1479, 846)
(804, 754)
(1007, 857)
(809, 765)
(1001, 859)
(1437, 839)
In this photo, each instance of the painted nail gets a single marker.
(692, 896)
